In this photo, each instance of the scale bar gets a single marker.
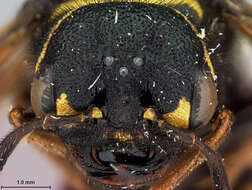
(26, 187)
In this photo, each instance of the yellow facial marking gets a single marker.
(123, 136)
(63, 107)
(96, 113)
(75, 4)
(150, 114)
(179, 117)
(83, 117)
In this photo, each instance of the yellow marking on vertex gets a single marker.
(68, 6)
(180, 117)
(43, 52)
(72, 5)
(193, 4)
(209, 63)
(206, 55)
(76, 4)
(62, 106)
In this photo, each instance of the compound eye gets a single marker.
(138, 61)
(204, 100)
(108, 60)
(42, 98)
